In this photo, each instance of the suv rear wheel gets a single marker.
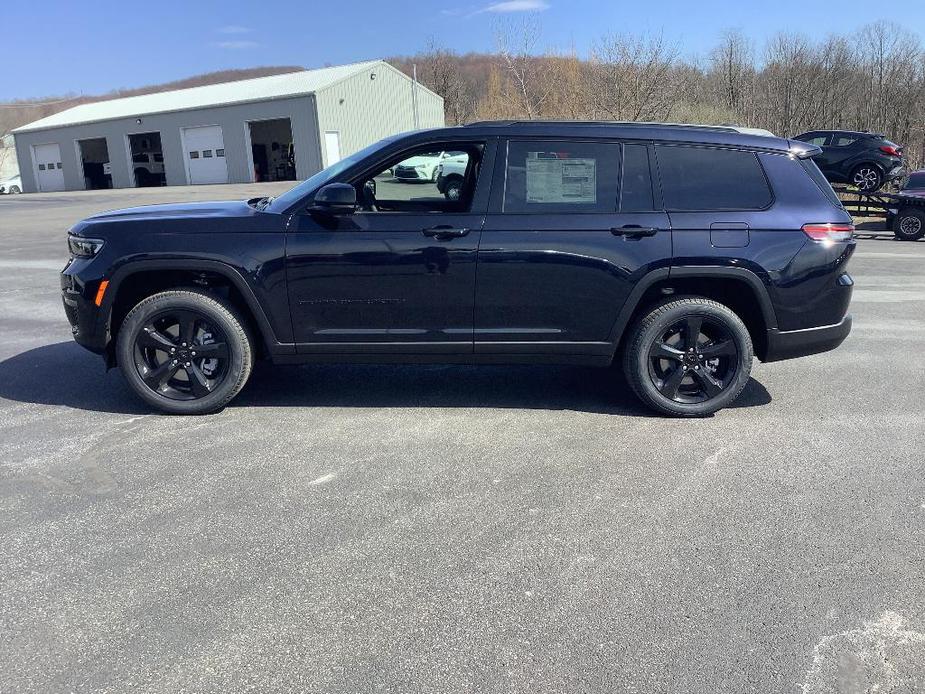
(909, 224)
(867, 178)
(688, 357)
(184, 352)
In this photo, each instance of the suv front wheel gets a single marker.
(184, 352)
(688, 357)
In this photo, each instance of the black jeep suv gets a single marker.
(864, 160)
(679, 252)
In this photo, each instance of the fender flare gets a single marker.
(133, 267)
(686, 272)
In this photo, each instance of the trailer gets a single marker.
(903, 213)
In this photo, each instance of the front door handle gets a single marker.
(445, 232)
(634, 231)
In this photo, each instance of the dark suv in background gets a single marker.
(676, 252)
(864, 160)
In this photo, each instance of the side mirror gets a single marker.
(336, 198)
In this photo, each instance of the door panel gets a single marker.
(375, 282)
(561, 278)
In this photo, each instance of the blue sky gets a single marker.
(61, 46)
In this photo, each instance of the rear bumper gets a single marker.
(790, 344)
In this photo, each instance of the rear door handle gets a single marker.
(634, 231)
(445, 232)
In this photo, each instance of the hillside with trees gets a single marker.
(873, 79)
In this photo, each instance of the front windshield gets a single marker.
(292, 196)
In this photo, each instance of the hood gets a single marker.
(186, 210)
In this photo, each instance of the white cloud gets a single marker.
(234, 29)
(237, 45)
(516, 6)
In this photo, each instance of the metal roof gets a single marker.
(224, 94)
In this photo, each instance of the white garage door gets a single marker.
(48, 172)
(204, 150)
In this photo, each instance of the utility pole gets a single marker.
(414, 95)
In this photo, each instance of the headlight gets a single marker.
(82, 247)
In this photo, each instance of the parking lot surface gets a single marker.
(457, 529)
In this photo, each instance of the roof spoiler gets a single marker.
(803, 150)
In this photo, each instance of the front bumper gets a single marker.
(82, 313)
(789, 344)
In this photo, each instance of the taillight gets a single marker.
(829, 233)
(892, 150)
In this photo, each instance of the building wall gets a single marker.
(233, 119)
(364, 110)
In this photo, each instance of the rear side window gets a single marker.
(561, 177)
(814, 173)
(701, 179)
(844, 140)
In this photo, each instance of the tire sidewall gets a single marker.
(238, 348)
(636, 358)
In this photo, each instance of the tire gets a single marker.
(909, 224)
(867, 178)
(151, 350)
(668, 377)
(14, 190)
(453, 189)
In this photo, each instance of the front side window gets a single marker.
(702, 179)
(428, 180)
(549, 177)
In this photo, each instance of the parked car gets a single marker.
(734, 246)
(907, 218)
(914, 184)
(451, 176)
(11, 186)
(865, 160)
(422, 167)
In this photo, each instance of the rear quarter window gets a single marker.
(809, 166)
(703, 179)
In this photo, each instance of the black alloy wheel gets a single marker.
(688, 357)
(181, 355)
(694, 360)
(184, 351)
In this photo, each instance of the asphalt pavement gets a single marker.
(448, 529)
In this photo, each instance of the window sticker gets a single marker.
(552, 179)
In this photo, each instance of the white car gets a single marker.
(424, 166)
(451, 174)
(11, 186)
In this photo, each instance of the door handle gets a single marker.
(634, 231)
(445, 232)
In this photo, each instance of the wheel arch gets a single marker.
(137, 279)
(740, 289)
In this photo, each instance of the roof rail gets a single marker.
(627, 124)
